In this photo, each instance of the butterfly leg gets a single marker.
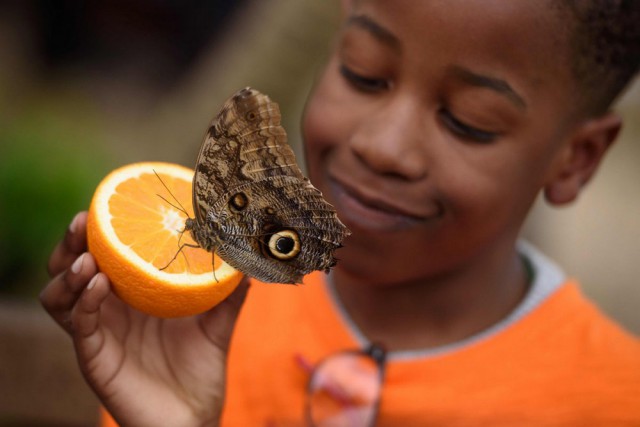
(179, 251)
(212, 264)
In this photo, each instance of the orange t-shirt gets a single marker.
(562, 364)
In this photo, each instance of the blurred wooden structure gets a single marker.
(40, 383)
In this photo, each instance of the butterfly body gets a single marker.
(252, 204)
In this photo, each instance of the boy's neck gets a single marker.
(435, 312)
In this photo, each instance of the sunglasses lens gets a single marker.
(344, 391)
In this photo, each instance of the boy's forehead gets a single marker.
(534, 12)
(530, 30)
(537, 14)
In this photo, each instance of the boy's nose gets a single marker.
(390, 142)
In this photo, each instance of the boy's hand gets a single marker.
(146, 371)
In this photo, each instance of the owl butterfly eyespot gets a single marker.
(252, 204)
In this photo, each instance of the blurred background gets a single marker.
(86, 86)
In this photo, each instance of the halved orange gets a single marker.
(134, 234)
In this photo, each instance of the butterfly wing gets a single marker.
(249, 193)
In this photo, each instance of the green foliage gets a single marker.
(48, 171)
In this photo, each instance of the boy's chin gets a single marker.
(369, 261)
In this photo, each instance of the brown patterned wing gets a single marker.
(253, 205)
(246, 134)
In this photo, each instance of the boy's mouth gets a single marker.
(363, 208)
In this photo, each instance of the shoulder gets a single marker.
(587, 359)
(560, 301)
(575, 335)
(593, 331)
(599, 360)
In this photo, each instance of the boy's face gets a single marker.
(433, 128)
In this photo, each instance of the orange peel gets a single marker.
(133, 234)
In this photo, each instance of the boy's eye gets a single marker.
(464, 130)
(366, 84)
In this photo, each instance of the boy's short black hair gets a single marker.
(605, 48)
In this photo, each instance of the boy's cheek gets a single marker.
(320, 127)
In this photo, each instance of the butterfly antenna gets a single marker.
(179, 205)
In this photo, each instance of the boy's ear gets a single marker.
(581, 157)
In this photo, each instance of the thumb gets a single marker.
(218, 322)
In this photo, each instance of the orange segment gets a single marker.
(133, 233)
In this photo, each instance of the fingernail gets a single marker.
(74, 223)
(92, 282)
(77, 265)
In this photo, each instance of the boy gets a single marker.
(432, 130)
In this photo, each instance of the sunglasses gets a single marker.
(344, 388)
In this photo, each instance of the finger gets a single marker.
(218, 322)
(73, 244)
(85, 317)
(61, 294)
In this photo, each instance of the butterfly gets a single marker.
(252, 205)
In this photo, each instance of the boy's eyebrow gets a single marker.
(494, 83)
(378, 31)
(384, 35)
